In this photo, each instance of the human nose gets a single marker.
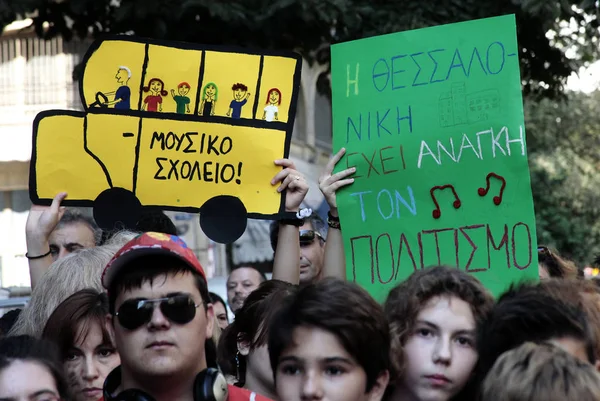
(443, 351)
(63, 252)
(90, 372)
(158, 320)
(312, 388)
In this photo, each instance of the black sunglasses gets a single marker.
(134, 313)
(308, 236)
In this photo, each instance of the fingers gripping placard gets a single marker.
(175, 126)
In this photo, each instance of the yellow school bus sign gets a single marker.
(174, 126)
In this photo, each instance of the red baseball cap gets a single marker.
(150, 243)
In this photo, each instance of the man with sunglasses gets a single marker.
(161, 316)
(312, 247)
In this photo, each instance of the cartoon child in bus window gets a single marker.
(209, 99)
(153, 102)
(183, 102)
(273, 101)
(240, 98)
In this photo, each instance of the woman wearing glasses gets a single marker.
(30, 369)
(78, 327)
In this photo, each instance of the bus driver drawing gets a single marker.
(122, 96)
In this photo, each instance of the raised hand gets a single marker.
(291, 181)
(41, 221)
(329, 183)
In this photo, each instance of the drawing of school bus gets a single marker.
(173, 126)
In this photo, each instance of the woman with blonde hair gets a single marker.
(81, 269)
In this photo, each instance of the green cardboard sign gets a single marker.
(432, 119)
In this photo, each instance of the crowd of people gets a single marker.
(127, 315)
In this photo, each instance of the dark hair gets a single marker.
(163, 92)
(315, 221)
(74, 216)
(343, 309)
(8, 320)
(582, 295)
(406, 300)
(85, 307)
(262, 275)
(156, 221)
(251, 325)
(27, 348)
(239, 86)
(528, 313)
(215, 298)
(149, 268)
(555, 264)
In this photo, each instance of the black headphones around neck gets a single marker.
(209, 385)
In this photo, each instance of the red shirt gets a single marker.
(153, 102)
(241, 394)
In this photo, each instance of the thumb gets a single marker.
(54, 207)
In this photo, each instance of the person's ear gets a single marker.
(109, 322)
(378, 390)
(243, 346)
(597, 365)
(210, 320)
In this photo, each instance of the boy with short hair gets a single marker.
(161, 318)
(330, 341)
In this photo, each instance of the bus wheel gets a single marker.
(223, 218)
(117, 209)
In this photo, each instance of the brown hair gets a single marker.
(555, 265)
(406, 300)
(163, 92)
(582, 295)
(80, 311)
(540, 373)
(343, 309)
(251, 326)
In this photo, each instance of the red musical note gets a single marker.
(437, 213)
(484, 191)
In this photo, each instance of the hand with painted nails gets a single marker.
(329, 183)
(292, 182)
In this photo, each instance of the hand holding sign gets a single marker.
(329, 183)
(42, 220)
(291, 181)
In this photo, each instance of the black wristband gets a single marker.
(330, 217)
(37, 257)
(292, 222)
(333, 222)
